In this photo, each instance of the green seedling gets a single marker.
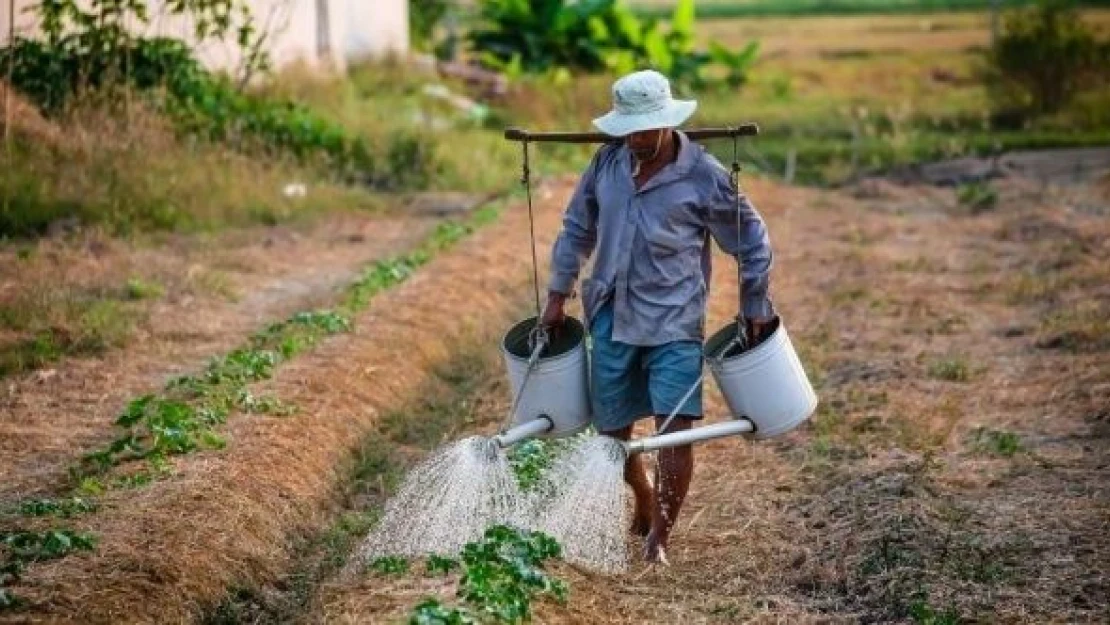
(439, 565)
(390, 565)
(432, 612)
(62, 508)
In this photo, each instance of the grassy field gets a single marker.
(723, 9)
(855, 94)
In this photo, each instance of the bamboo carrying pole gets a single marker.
(697, 134)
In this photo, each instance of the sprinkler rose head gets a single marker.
(616, 450)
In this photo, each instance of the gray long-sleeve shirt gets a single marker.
(652, 244)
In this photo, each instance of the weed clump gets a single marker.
(954, 369)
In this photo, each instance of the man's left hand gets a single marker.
(759, 329)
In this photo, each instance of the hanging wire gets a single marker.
(8, 134)
(741, 322)
(11, 73)
(526, 180)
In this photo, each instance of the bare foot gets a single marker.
(655, 552)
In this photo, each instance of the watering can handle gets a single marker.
(537, 340)
(740, 339)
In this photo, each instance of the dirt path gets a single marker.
(957, 466)
(218, 291)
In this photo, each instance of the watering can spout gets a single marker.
(524, 431)
(693, 435)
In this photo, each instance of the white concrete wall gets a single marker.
(375, 27)
(354, 30)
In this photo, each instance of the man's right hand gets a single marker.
(553, 314)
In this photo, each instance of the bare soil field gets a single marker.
(866, 34)
(217, 290)
(956, 468)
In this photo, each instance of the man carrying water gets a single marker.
(647, 207)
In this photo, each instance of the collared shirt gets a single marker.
(651, 245)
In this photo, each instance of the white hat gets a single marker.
(642, 101)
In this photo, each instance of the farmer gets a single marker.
(647, 207)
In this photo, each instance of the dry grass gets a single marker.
(886, 507)
(123, 166)
(21, 118)
(225, 519)
(889, 506)
(217, 289)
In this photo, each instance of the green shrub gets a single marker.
(598, 35)
(424, 17)
(202, 104)
(1044, 56)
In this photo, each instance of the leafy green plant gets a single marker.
(64, 508)
(424, 17)
(20, 548)
(432, 612)
(86, 52)
(530, 460)
(501, 574)
(996, 442)
(504, 570)
(390, 565)
(597, 35)
(1044, 56)
(184, 417)
(439, 565)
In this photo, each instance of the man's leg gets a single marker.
(674, 468)
(674, 371)
(618, 394)
(636, 477)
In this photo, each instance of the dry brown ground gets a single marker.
(228, 519)
(870, 34)
(921, 325)
(218, 290)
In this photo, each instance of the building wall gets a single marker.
(324, 34)
(375, 27)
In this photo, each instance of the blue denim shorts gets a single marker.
(630, 382)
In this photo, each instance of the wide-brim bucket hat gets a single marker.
(642, 101)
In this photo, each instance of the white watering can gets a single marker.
(765, 387)
(549, 381)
